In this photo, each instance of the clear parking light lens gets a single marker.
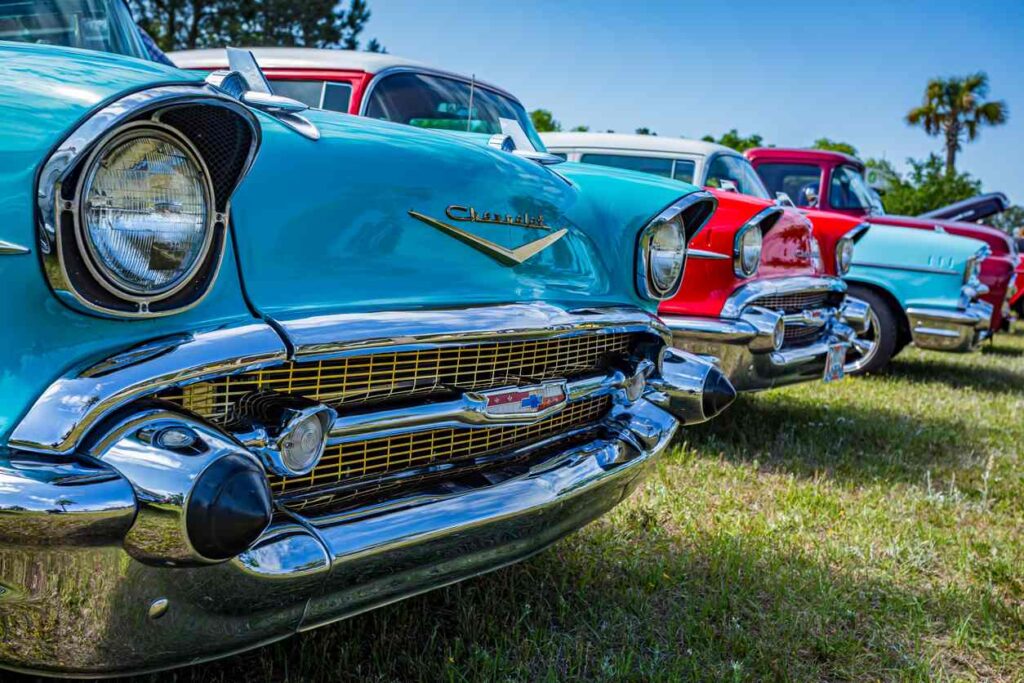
(146, 210)
(304, 444)
(816, 261)
(667, 256)
(748, 252)
(844, 255)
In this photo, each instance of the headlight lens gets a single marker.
(146, 213)
(748, 251)
(844, 255)
(663, 256)
(816, 261)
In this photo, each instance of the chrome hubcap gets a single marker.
(866, 346)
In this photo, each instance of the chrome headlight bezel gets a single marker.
(844, 255)
(96, 264)
(691, 213)
(647, 280)
(741, 267)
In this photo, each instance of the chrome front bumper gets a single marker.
(746, 346)
(957, 330)
(98, 577)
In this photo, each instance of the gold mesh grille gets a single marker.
(385, 455)
(794, 303)
(403, 374)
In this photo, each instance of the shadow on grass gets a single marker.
(630, 600)
(844, 441)
(996, 350)
(960, 375)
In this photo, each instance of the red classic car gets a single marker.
(835, 182)
(769, 308)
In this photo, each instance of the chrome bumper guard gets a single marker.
(749, 348)
(943, 329)
(99, 573)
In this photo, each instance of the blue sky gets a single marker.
(791, 71)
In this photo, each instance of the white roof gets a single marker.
(640, 143)
(294, 58)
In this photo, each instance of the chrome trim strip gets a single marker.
(81, 142)
(709, 255)
(913, 269)
(751, 292)
(346, 334)
(464, 412)
(12, 249)
(73, 404)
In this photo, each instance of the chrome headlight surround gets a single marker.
(218, 131)
(99, 266)
(685, 217)
(844, 255)
(746, 250)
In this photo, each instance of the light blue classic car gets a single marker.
(267, 367)
(922, 287)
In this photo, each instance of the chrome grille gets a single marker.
(793, 303)
(799, 334)
(376, 458)
(400, 375)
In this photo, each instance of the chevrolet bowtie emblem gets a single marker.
(508, 257)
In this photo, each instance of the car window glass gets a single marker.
(799, 181)
(849, 190)
(653, 165)
(429, 101)
(102, 25)
(684, 170)
(336, 96)
(726, 169)
(307, 92)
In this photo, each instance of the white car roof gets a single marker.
(295, 58)
(639, 143)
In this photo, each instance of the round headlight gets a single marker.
(146, 209)
(663, 257)
(844, 255)
(748, 251)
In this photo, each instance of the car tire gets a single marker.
(882, 334)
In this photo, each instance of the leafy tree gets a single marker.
(644, 130)
(581, 129)
(928, 187)
(1010, 220)
(544, 121)
(834, 146)
(738, 142)
(188, 24)
(956, 109)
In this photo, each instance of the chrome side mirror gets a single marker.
(783, 199)
(810, 196)
(246, 82)
(728, 185)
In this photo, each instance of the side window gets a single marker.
(728, 171)
(848, 190)
(316, 94)
(652, 165)
(684, 170)
(801, 182)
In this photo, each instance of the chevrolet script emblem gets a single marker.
(503, 255)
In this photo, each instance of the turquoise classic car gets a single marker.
(922, 287)
(267, 367)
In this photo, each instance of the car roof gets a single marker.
(797, 155)
(640, 143)
(294, 58)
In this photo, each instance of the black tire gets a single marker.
(884, 333)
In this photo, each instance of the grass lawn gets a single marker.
(870, 530)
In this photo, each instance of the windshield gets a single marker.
(103, 25)
(429, 101)
(849, 190)
(734, 172)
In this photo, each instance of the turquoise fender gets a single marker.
(916, 267)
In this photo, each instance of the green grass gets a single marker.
(869, 530)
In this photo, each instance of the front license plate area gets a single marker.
(834, 362)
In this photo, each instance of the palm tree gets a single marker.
(955, 108)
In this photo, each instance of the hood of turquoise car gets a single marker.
(379, 216)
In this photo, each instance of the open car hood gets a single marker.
(971, 210)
